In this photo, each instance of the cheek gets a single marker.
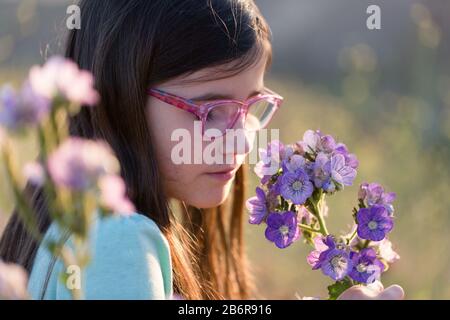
(186, 182)
(163, 122)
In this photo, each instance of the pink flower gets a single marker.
(113, 195)
(310, 142)
(60, 76)
(13, 282)
(78, 164)
(304, 213)
(386, 251)
(34, 173)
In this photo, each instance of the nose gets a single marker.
(238, 140)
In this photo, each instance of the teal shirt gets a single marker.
(130, 259)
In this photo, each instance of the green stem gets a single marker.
(54, 126)
(308, 228)
(53, 203)
(318, 213)
(24, 210)
(366, 244)
(322, 225)
(42, 144)
(349, 240)
(68, 259)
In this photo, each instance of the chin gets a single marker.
(211, 198)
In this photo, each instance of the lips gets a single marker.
(225, 170)
(224, 174)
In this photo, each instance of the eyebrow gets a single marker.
(218, 96)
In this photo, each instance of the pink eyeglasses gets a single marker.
(220, 115)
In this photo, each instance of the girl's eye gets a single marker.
(223, 113)
(210, 116)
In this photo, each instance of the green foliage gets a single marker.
(337, 288)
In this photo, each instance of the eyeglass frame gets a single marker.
(202, 110)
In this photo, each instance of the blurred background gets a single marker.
(385, 93)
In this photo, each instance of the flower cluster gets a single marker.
(62, 77)
(290, 200)
(75, 164)
(58, 79)
(80, 177)
(338, 261)
(291, 174)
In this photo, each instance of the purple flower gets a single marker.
(374, 223)
(293, 163)
(331, 173)
(335, 263)
(320, 244)
(310, 142)
(282, 229)
(329, 186)
(274, 188)
(330, 258)
(295, 186)
(341, 174)
(327, 144)
(258, 207)
(350, 159)
(18, 111)
(77, 164)
(286, 152)
(270, 161)
(366, 267)
(272, 196)
(373, 193)
(321, 170)
(315, 142)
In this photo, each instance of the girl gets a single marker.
(156, 64)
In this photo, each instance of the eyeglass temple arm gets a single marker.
(173, 100)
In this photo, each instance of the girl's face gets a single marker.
(201, 185)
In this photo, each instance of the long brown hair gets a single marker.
(130, 45)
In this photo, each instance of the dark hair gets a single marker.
(130, 45)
